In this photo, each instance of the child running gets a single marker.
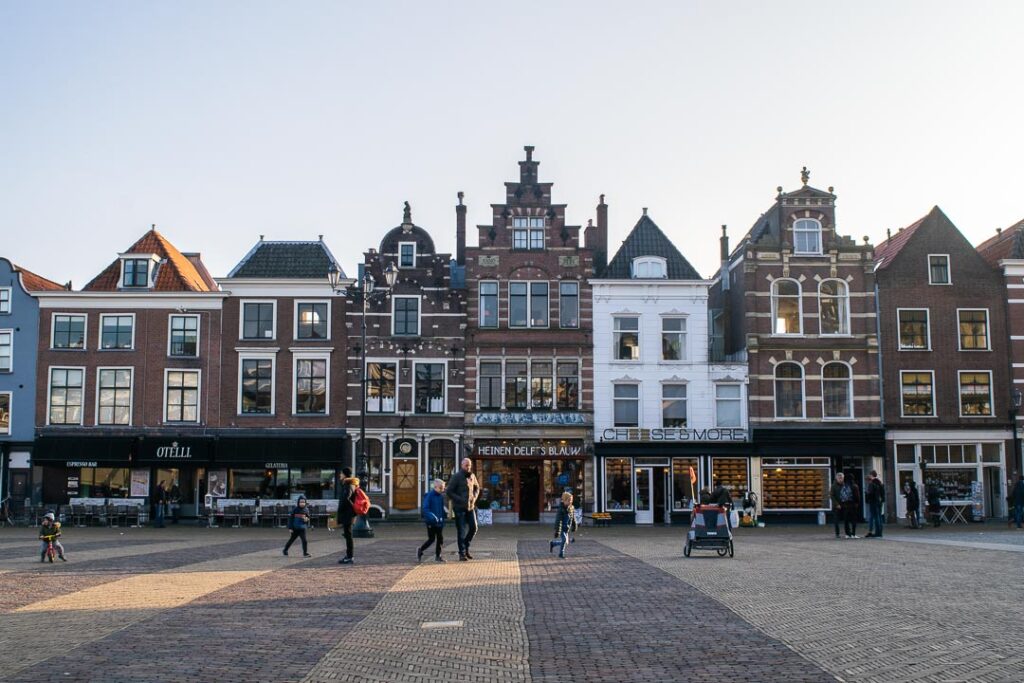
(297, 522)
(565, 523)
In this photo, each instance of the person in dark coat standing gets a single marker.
(433, 516)
(934, 496)
(913, 504)
(1018, 501)
(463, 490)
(159, 505)
(347, 512)
(876, 499)
(298, 521)
(565, 523)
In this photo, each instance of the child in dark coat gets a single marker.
(297, 522)
(565, 523)
(433, 516)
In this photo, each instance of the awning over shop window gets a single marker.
(257, 451)
(83, 451)
(819, 442)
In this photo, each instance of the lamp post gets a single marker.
(364, 292)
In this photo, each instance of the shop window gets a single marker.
(518, 304)
(430, 388)
(626, 338)
(728, 405)
(569, 305)
(541, 383)
(184, 336)
(66, 394)
(68, 332)
(991, 453)
(311, 386)
(117, 331)
(626, 400)
(257, 386)
(102, 482)
(673, 405)
(497, 485)
(380, 387)
(136, 272)
(182, 400)
(834, 307)
(953, 484)
(568, 385)
(539, 304)
(114, 405)
(806, 236)
(732, 472)
(973, 329)
(789, 391)
(795, 484)
(905, 454)
(837, 391)
(489, 385)
(488, 304)
(442, 461)
(5, 412)
(258, 320)
(5, 299)
(312, 482)
(374, 466)
(312, 320)
(516, 385)
(618, 484)
(787, 309)
(406, 254)
(253, 483)
(975, 394)
(938, 269)
(684, 489)
(406, 315)
(561, 476)
(913, 326)
(917, 393)
(673, 338)
(6, 350)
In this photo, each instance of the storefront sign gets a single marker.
(674, 434)
(552, 450)
(531, 418)
(81, 463)
(158, 451)
(174, 451)
(275, 465)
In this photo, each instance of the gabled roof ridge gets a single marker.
(888, 249)
(34, 282)
(677, 267)
(182, 274)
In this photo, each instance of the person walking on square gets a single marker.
(463, 490)
(849, 501)
(836, 494)
(347, 512)
(159, 504)
(913, 504)
(565, 523)
(1018, 501)
(298, 521)
(876, 499)
(433, 516)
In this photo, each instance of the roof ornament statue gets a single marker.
(805, 175)
(407, 218)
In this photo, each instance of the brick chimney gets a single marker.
(600, 239)
(460, 232)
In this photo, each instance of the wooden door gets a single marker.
(406, 484)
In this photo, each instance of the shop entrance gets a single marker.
(645, 495)
(529, 490)
(405, 490)
(993, 492)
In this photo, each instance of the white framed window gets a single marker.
(973, 329)
(541, 385)
(406, 254)
(836, 391)
(833, 308)
(528, 233)
(728, 404)
(517, 385)
(66, 396)
(789, 391)
(539, 304)
(381, 387)
(673, 339)
(258, 319)
(626, 338)
(6, 350)
(182, 389)
(976, 393)
(68, 331)
(5, 300)
(489, 385)
(567, 387)
(257, 384)
(405, 316)
(787, 307)
(183, 336)
(618, 484)
(626, 405)
(429, 388)
(311, 384)
(938, 270)
(917, 393)
(312, 319)
(568, 305)
(806, 236)
(488, 304)
(117, 332)
(114, 396)
(673, 405)
(914, 329)
(528, 304)
(650, 267)
(135, 272)
(6, 398)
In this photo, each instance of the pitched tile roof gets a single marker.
(1007, 244)
(36, 283)
(304, 260)
(886, 251)
(175, 272)
(647, 239)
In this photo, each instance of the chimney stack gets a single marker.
(460, 232)
(600, 242)
(724, 242)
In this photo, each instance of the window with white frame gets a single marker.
(917, 392)
(649, 267)
(117, 331)
(374, 465)
(673, 338)
(973, 329)
(406, 254)
(787, 308)
(312, 320)
(539, 304)
(6, 350)
(626, 338)
(184, 336)
(135, 272)
(258, 320)
(68, 331)
(67, 393)
(541, 385)
(938, 269)
(568, 305)
(834, 307)
(728, 405)
(181, 399)
(789, 390)
(836, 391)
(618, 478)
(527, 233)
(806, 236)
(913, 329)
(114, 396)
(489, 385)
(5, 412)
(975, 394)
(310, 386)
(568, 387)
(405, 316)
(257, 386)
(518, 304)
(380, 387)
(673, 405)
(626, 405)
(488, 304)
(429, 388)
(5, 299)
(516, 385)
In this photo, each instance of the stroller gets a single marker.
(709, 530)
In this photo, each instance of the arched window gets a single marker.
(789, 390)
(442, 460)
(787, 310)
(649, 267)
(836, 391)
(806, 236)
(834, 307)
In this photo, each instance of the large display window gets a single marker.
(497, 484)
(795, 483)
(684, 490)
(618, 484)
(564, 475)
(733, 472)
(99, 482)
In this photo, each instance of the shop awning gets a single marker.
(327, 450)
(83, 451)
(819, 441)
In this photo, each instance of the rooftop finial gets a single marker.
(152, 226)
(805, 175)
(529, 152)
(645, 210)
(460, 195)
(407, 215)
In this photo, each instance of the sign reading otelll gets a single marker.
(674, 434)
(174, 452)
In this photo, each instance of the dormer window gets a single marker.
(649, 267)
(406, 254)
(136, 271)
(807, 236)
(527, 233)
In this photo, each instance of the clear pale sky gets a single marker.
(221, 121)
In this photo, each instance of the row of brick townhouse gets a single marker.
(555, 363)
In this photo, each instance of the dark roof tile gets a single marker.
(279, 260)
(647, 239)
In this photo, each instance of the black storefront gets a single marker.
(82, 467)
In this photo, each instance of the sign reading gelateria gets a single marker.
(674, 434)
(529, 449)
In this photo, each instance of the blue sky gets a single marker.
(223, 121)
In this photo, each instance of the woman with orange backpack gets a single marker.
(353, 503)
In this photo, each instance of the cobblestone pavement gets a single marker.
(190, 604)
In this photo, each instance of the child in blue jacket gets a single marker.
(433, 516)
(565, 524)
(297, 522)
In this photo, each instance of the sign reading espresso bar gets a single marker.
(674, 434)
